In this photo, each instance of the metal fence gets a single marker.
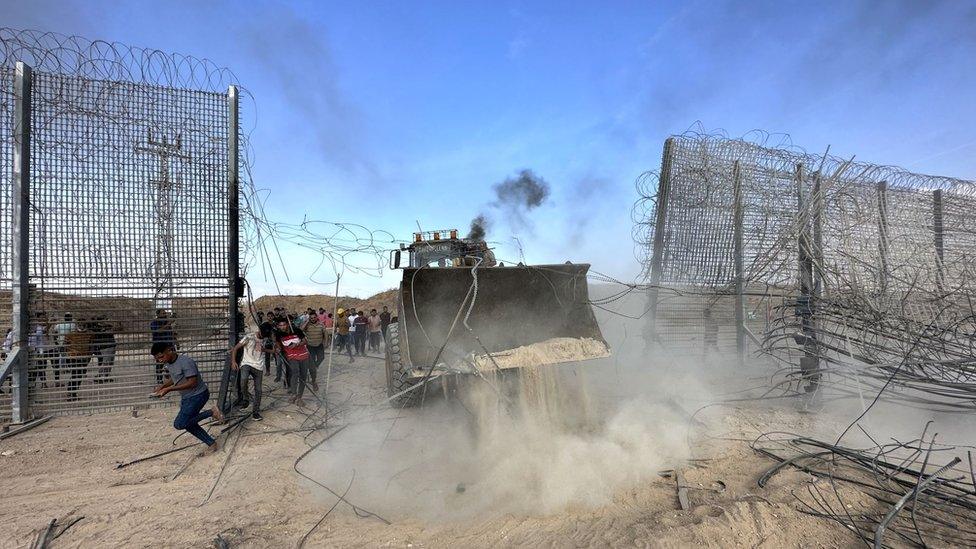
(126, 196)
(767, 248)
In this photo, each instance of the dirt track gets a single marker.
(66, 468)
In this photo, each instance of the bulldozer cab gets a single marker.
(442, 249)
(461, 312)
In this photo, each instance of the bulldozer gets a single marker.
(459, 312)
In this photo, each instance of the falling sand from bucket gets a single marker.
(551, 351)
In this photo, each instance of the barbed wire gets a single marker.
(342, 248)
(891, 255)
(129, 213)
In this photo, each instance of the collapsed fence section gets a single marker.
(122, 177)
(813, 260)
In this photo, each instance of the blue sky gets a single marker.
(391, 113)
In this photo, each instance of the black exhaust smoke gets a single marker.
(514, 198)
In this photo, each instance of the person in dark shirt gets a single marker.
(293, 348)
(361, 327)
(104, 345)
(162, 332)
(385, 319)
(184, 376)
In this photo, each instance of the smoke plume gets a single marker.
(522, 193)
(514, 198)
(479, 227)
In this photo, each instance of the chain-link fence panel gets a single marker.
(129, 218)
(6, 243)
(842, 262)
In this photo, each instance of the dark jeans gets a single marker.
(361, 343)
(299, 373)
(105, 354)
(374, 341)
(317, 355)
(247, 373)
(282, 365)
(190, 416)
(238, 379)
(78, 367)
(344, 341)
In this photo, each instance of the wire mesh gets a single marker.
(6, 244)
(128, 216)
(891, 257)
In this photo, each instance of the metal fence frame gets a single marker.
(729, 220)
(105, 66)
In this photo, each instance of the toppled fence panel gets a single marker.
(850, 268)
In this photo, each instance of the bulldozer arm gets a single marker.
(501, 309)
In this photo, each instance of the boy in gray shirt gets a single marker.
(185, 378)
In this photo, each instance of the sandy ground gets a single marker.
(67, 468)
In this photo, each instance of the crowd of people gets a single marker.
(67, 348)
(294, 346)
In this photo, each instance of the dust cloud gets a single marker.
(571, 436)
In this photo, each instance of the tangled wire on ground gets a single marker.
(915, 492)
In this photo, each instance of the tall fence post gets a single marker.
(20, 295)
(233, 235)
(818, 203)
(883, 233)
(657, 256)
(806, 303)
(739, 245)
(938, 228)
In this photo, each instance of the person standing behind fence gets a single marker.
(254, 354)
(184, 376)
(61, 330)
(78, 345)
(40, 347)
(294, 349)
(375, 330)
(104, 345)
(315, 334)
(343, 337)
(162, 332)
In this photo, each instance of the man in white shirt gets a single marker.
(256, 347)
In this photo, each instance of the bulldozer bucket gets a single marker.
(512, 307)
